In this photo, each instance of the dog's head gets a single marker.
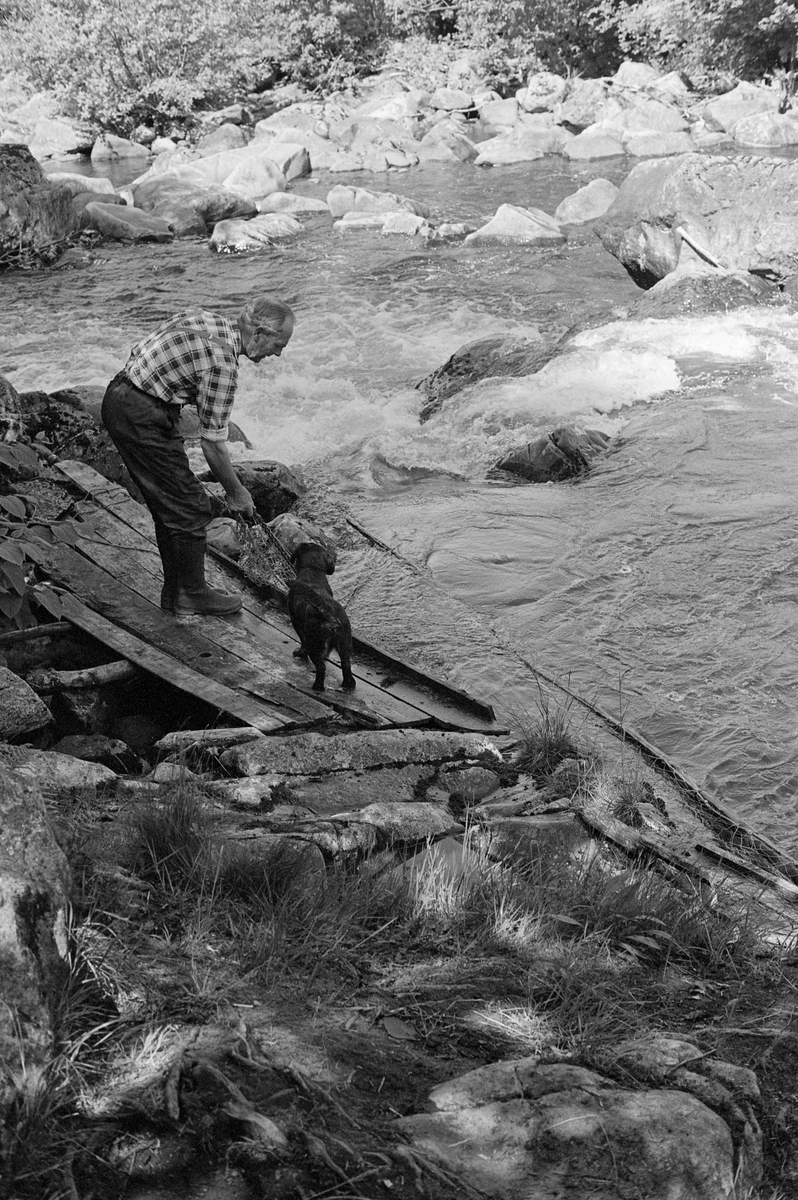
(311, 554)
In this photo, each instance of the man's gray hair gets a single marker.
(269, 313)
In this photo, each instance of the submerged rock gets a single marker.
(124, 224)
(511, 223)
(562, 454)
(188, 208)
(704, 290)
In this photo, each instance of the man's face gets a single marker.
(258, 343)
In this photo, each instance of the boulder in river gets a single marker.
(543, 90)
(188, 208)
(594, 142)
(35, 215)
(124, 224)
(562, 454)
(487, 358)
(694, 289)
(342, 200)
(257, 234)
(743, 210)
(511, 223)
(589, 202)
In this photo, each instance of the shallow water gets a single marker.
(663, 587)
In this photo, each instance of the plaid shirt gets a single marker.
(182, 363)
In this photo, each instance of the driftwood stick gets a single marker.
(51, 629)
(120, 671)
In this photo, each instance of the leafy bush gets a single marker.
(324, 43)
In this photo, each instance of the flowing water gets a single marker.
(663, 587)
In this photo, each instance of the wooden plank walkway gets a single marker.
(116, 572)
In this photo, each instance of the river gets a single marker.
(662, 587)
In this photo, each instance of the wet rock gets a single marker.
(21, 710)
(98, 748)
(569, 1124)
(403, 223)
(512, 224)
(10, 416)
(703, 290)
(487, 358)
(53, 774)
(342, 200)
(313, 753)
(124, 224)
(562, 454)
(188, 208)
(743, 210)
(273, 486)
(258, 233)
(589, 202)
(291, 531)
(34, 891)
(35, 215)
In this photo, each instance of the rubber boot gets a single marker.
(167, 553)
(193, 595)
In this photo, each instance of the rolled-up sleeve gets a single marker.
(215, 394)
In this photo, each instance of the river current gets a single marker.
(663, 587)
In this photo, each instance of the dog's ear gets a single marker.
(300, 550)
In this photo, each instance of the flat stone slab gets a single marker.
(350, 790)
(312, 754)
(21, 710)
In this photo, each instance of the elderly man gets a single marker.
(190, 359)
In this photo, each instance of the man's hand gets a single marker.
(240, 501)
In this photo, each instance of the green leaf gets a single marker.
(14, 506)
(11, 551)
(66, 532)
(10, 604)
(50, 601)
(13, 577)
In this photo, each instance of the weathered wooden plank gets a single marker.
(405, 685)
(265, 650)
(242, 707)
(114, 600)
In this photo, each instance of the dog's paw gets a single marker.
(300, 653)
(348, 685)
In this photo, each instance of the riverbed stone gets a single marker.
(505, 150)
(702, 289)
(447, 142)
(123, 224)
(746, 99)
(403, 223)
(767, 129)
(188, 208)
(498, 116)
(313, 753)
(291, 202)
(80, 184)
(35, 215)
(645, 144)
(594, 142)
(543, 90)
(56, 138)
(742, 209)
(513, 224)
(635, 74)
(258, 233)
(21, 710)
(342, 200)
(569, 1124)
(581, 103)
(34, 893)
(226, 136)
(110, 148)
(292, 158)
(589, 202)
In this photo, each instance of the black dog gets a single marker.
(320, 621)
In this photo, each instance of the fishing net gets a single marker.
(263, 558)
